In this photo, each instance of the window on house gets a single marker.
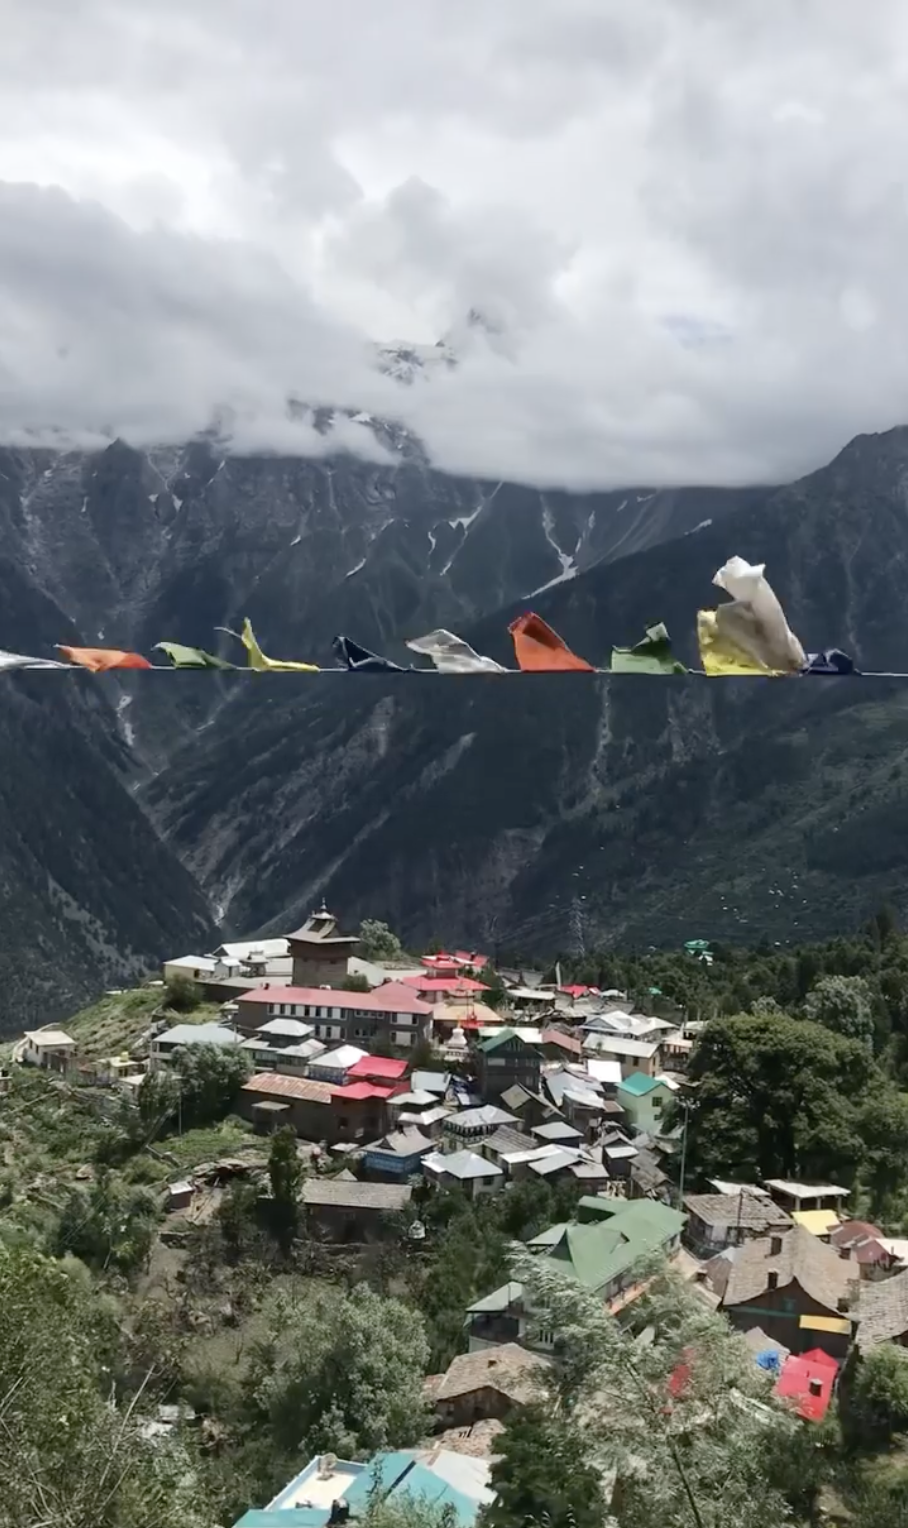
(657, 1105)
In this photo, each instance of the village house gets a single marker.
(528, 1108)
(397, 1155)
(470, 1126)
(717, 1221)
(391, 1012)
(644, 1099)
(488, 1384)
(602, 1257)
(436, 1476)
(465, 1170)
(271, 1100)
(506, 1139)
(50, 1048)
(503, 1061)
(293, 1059)
(794, 1286)
(319, 952)
(360, 1110)
(557, 1132)
(195, 968)
(343, 1209)
(647, 1179)
(436, 1083)
(634, 1055)
(335, 1065)
(456, 991)
(801, 1199)
(863, 1244)
(806, 1383)
(577, 1097)
(165, 1046)
(559, 1046)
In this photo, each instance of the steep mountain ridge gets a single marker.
(531, 812)
(637, 806)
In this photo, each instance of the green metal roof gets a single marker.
(494, 1041)
(499, 1299)
(596, 1205)
(638, 1084)
(596, 1254)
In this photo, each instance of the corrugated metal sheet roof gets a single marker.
(272, 1084)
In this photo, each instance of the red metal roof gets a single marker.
(379, 1066)
(392, 998)
(443, 983)
(795, 1380)
(356, 1090)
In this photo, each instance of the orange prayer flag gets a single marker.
(540, 650)
(100, 659)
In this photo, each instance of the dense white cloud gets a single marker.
(684, 223)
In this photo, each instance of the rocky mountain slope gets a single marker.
(530, 813)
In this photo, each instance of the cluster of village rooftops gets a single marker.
(418, 1080)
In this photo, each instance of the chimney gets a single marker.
(845, 1253)
(772, 1279)
(775, 1246)
(816, 1387)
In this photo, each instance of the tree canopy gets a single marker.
(670, 1408)
(377, 942)
(843, 1004)
(777, 1097)
(542, 1474)
(73, 1455)
(343, 1372)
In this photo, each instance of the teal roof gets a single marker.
(422, 1484)
(402, 1474)
(384, 1471)
(291, 1517)
(639, 1084)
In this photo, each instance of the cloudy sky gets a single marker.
(684, 221)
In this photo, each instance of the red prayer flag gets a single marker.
(540, 650)
(100, 659)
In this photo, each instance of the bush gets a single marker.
(182, 994)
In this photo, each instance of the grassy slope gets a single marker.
(117, 1022)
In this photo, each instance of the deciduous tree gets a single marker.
(377, 941)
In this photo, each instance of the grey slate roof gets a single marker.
(882, 1311)
(819, 1270)
(505, 1139)
(512, 1370)
(737, 1210)
(344, 1194)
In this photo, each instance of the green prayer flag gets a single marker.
(190, 657)
(651, 656)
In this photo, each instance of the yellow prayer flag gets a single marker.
(257, 659)
(720, 656)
